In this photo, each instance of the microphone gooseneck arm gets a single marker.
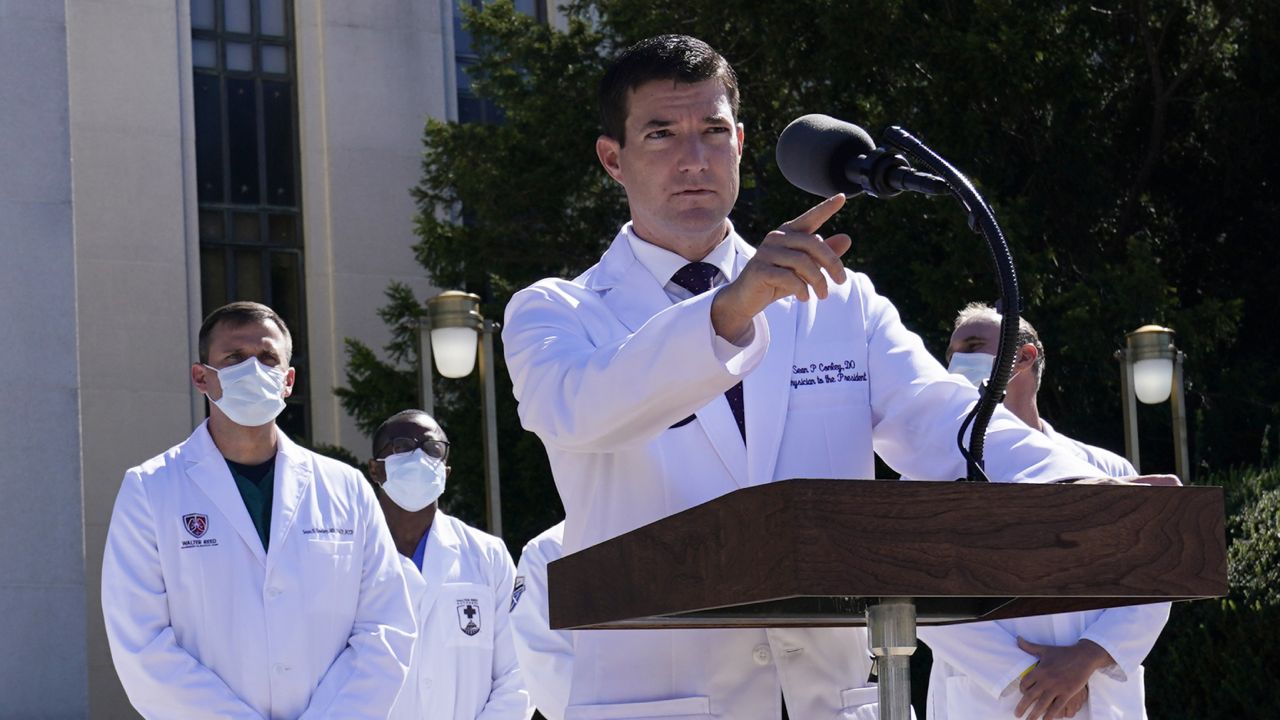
(884, 175)
(983, 221)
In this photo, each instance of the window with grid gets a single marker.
(472, 109)
(247, 172)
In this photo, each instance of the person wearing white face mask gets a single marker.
(219, 548)
(460, 579)
(1083, 664)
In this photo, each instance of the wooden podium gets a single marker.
(823, 553)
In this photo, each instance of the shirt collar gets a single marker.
(662, 263)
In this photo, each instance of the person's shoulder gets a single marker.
(174, 457)
(332, 473)
(1113, 464)
(331, 467)
(478, 543)
(547, 544)
(555, 289)
(472, 535)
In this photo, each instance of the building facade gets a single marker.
(162, 157)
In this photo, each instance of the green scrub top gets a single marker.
(256, 484)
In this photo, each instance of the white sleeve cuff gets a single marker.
(744, 353)
(1113, 671)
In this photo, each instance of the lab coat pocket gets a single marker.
(685, 708)
(1111, 699)
(332, 554)
(860, 704)
(470, 609)
(965, 699)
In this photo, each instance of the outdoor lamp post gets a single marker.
(452, 334)
(1151, 372)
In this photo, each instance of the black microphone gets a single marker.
(825, 156)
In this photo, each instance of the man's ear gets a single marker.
(1027, 355)
(200, 377)
(742, 140)
(290, 377)
(608, 151)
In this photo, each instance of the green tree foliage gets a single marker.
(1125, 146)
(1218, 658)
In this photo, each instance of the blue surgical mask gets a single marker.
(975, 367)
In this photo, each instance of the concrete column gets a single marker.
(43, 671)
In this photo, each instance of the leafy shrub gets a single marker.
(1221, 658)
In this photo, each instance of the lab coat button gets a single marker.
(273, 592)
(280, 668)
(762, 654)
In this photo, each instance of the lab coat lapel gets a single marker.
(631, 292)
(293, 477)
(717, 419)
(439, 560)
(208, 469)
(766, 392)
(626, 287)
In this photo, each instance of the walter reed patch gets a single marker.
(197, 525)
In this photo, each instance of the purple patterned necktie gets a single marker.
(696, 278)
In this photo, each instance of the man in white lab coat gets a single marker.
(686, 364)
(1082, 664)
(247, 577)
(546, 655)
(460, 579)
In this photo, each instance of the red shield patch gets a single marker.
(196, 524)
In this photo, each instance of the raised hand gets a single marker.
(789, 262)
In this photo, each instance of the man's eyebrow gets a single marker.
(718, 118)
(657, 123)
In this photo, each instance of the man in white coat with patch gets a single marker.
(460, 580)
(686, 364)
(546, 655)
(244, 576)
(1081, 664)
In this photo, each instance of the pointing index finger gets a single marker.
(814, 217)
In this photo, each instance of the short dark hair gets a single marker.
(679, 58)
(380, 435)
(242, 313)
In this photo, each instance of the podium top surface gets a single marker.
(813, 552)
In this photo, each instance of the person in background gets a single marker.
(687, 364)
(464, 664)
(247, 577)
(1086, 664)
(546, 655)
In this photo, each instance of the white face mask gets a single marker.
(414, 479)
(975, 367)
(252, 393)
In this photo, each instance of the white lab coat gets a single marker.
(976, 666)
(464, 665)
(1111, 464)
(604, 366)
(546, 655)
(203, 624)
